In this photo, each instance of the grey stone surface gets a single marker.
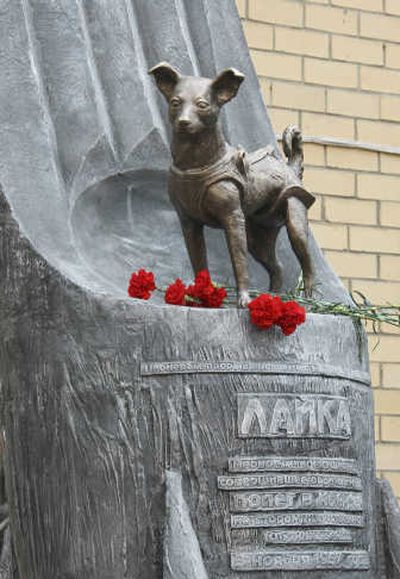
(103, 396)
(182, 554)
(391, 528)
(92, 425)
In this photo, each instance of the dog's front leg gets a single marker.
(223, 203)
(235, 231)
(194, 238)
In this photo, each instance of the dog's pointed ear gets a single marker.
(166, 78)
(226, 85)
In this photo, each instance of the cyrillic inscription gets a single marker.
(246, 367)
(292, 463)
(323, 519)
(293, 416)
(299, 560)
(304, 536)
(285, 480)
(301, 500)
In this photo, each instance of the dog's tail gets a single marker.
(292, 144)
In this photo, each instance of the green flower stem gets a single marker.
(388, 314)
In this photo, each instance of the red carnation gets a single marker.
(202, 285)
(203, 279)
(265, 310)
(141, 284)
(204, 293)
(292, 316)
(175, 293)
(216, 298)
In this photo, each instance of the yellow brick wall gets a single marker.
(333, 68)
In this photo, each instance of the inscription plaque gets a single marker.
(304, 536)
(319, 519)
(246, 367)
(292, 463)
(299, 560)
(287, 480)
(302, 497)
(301, 500)
(267, 415)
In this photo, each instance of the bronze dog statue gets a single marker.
(251, 196)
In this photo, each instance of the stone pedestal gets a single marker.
(149, 441)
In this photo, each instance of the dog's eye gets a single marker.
(175, 103)
(202, 104)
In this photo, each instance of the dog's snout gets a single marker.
(186, 120)
(183, 122)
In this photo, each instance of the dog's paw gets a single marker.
(308, 289)
(243, 299)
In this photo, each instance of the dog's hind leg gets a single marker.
(297, 228)
(261, 242)
(194, 238)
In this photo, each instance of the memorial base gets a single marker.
(145, 441)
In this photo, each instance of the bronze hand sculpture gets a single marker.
(250, 196)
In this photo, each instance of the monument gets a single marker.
(145, 440)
